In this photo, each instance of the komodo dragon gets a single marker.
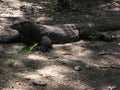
(46, 35)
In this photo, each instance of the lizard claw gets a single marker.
(43, 49)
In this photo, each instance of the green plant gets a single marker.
(31, 49)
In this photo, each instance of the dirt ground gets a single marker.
(83, 65)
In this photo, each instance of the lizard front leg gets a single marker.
(10, 39)
(45, 44)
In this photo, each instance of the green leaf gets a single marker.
(30, 50)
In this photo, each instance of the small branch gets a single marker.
(104, 53)
(113, 67)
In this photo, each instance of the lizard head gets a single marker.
(24, 26)
(18, 25)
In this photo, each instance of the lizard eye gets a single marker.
(24, 23)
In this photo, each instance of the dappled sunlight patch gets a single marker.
(43, 18)
(55, 72)
(63, 75)
(16, 84)
(68, 57)
(10, 51)
(72, 49)
(29, 75)
(114, 59)
(54, 76)
(113, 6)
(118, 43)
(65, 47)
(17, 46)
(88, 62)
(13, 14)
(16, 8)
(37, 57)
(76, 49)
(110, 59)
(62, 49)
(104, 62)
(86, 53)
(3, 22)
(59, 52)
(7, 10)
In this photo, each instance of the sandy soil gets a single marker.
(83, 65)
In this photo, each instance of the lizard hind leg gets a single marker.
(96, 35)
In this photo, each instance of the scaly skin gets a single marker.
(46, 35)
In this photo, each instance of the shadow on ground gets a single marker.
(56, 70)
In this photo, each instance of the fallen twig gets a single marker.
(114, 67)
(104, 53)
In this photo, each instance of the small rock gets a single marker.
(27, 79)
(39, 83)
(19, 83)
(77, 68)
